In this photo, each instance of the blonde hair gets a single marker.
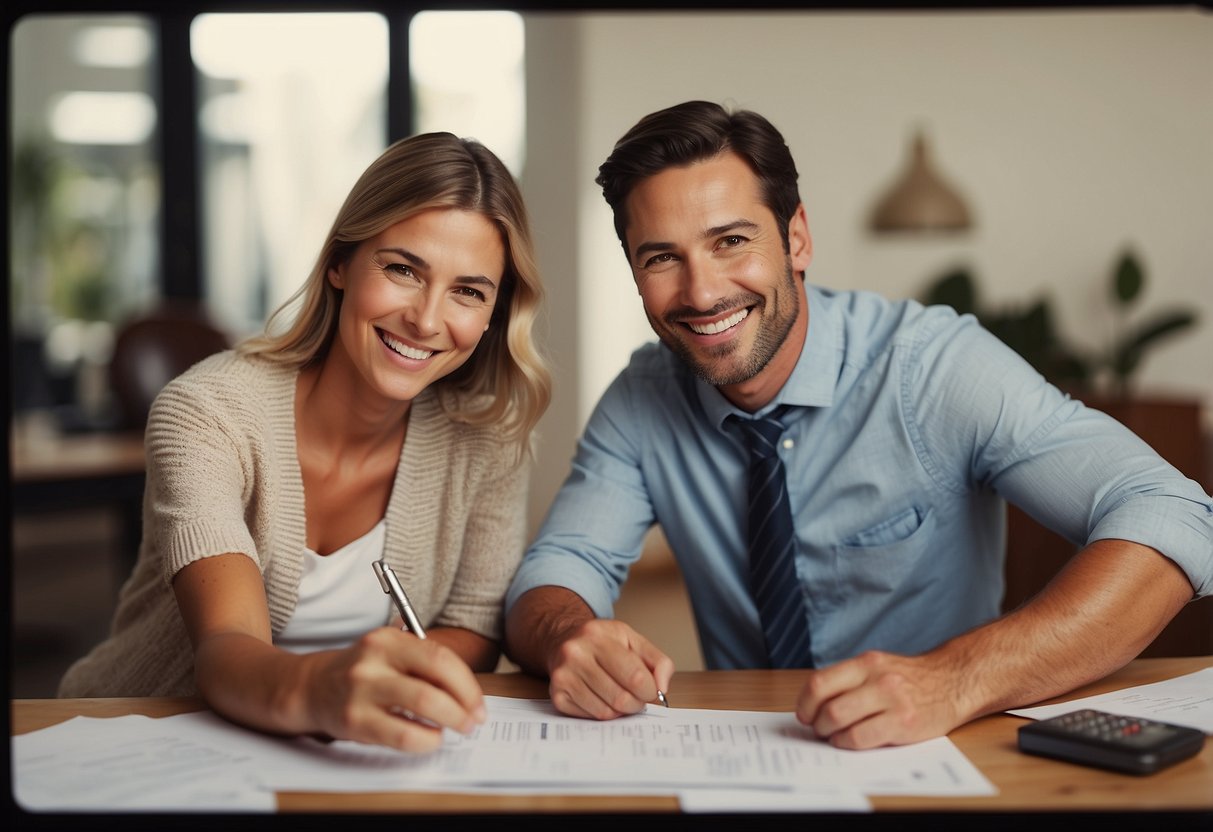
(506, 381)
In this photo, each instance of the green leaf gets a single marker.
(1037, 323)
(1128, 280)
(954, 289)
(1068, 370)
(1129, 354)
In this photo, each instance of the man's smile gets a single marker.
(721, 325)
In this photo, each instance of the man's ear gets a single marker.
(800, 242)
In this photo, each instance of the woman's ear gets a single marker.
(336, 277)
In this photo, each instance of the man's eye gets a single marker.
(732, 240)
(658, 259)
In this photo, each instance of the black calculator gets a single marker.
(1121, 743)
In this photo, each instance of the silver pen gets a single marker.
(387, 580)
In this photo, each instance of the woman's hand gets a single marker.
(391, 688)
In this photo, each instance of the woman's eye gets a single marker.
(470, 293)
(399, 270)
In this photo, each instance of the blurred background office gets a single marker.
(173, 169)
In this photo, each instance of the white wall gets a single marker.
(1073, 134)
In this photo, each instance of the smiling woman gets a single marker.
(507, 383)
(416, 300)
(385, 413)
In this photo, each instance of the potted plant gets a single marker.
(1030, 331)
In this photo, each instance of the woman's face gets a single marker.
(418, 297)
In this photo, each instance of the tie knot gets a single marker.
(761, 433)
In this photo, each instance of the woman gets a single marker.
(391, 419)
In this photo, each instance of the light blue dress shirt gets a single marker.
(910, 428)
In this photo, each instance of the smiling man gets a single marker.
(727, 297)
(889, 437)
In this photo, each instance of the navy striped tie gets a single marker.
(773, 581)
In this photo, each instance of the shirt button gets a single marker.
(787, 444)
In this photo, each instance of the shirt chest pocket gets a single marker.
(880, 558)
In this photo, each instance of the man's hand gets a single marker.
(598, 668)
(879, 699)
(1101, 610)
(605, 669)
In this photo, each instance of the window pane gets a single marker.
(84, 200)
(292, 108)
(467, 70)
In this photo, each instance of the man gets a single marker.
(904, 429)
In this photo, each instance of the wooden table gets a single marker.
(52, 471)
(1025, 783)
(48, 457)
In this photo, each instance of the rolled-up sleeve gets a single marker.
(1180, 527)
(1074, 469)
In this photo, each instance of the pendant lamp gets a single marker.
(920, 200)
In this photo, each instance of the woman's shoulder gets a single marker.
(233, 371)
(230, 382)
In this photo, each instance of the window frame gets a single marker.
(176, 87)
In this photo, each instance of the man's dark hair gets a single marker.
(692, 132)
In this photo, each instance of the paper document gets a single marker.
(200, 761)
(1184, 700)
(527, 743)
(137, 763)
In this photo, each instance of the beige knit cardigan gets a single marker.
(223, 476)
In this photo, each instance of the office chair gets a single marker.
(155, 348)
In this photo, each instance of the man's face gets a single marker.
(717, 284)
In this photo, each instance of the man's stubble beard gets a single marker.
(774, 332)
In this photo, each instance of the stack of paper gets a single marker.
(713, 760)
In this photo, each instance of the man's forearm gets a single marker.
(537, 624)
(1097, 614)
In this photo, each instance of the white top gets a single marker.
(339, 597)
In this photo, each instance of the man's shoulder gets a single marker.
(654, 371)
(654, 381)
(878, 321)
(654, 361)
(861, 306)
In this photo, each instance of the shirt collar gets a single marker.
(814, 376)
